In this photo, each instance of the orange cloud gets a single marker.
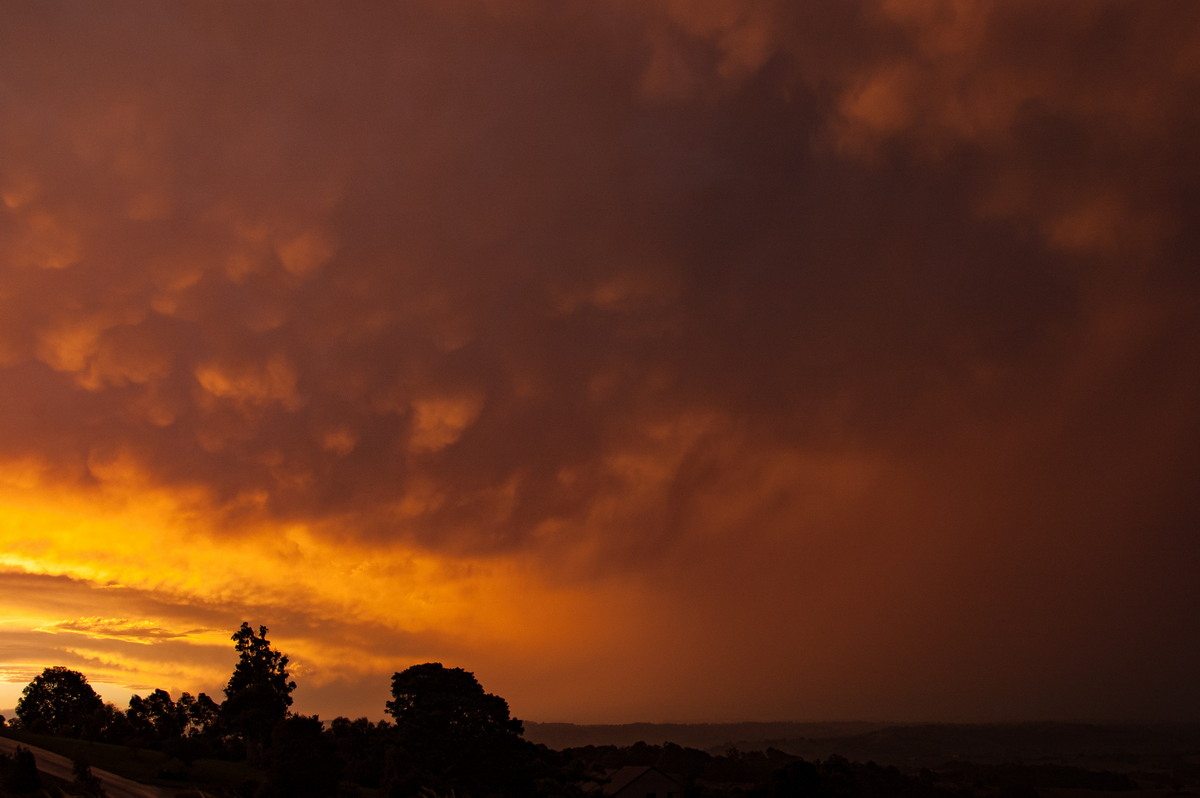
(702, 356)
(139, 631)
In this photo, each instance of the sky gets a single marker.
(653, 360)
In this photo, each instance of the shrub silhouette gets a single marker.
(20, 773)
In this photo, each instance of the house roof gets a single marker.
(621, 778)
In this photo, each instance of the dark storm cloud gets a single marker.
(892, 295)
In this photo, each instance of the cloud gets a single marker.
(119, 629)
(515, 332)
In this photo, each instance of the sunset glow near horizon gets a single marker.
(653, 360)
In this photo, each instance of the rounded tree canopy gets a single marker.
(455, 737)
(59, 701)
(448, 703)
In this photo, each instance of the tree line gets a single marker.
(446, 737)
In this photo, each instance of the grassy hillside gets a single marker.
(144, 765)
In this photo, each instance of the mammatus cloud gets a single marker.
(781, 339)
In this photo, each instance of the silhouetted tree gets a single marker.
(20, 773)
(302, 761)
(155, 719)
(200, 714)
(448, 703)
(452, 736)
(106, 723)
(59, 701)
(798, 778)
(259, 692)
(185, 729)
(362, 746)
(86, 782)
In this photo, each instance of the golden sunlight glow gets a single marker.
(117, 539)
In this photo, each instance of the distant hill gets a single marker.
(1116, 747)
(704, 736)
(1103, 746)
